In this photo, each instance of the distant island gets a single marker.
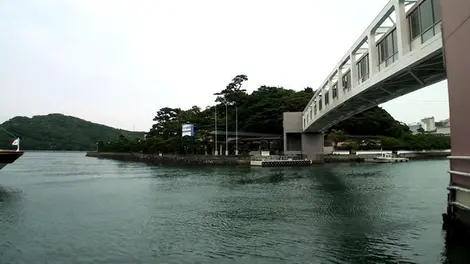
(59, 132)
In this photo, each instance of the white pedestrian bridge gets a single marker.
(400, 52)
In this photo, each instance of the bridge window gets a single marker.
(347, 81)
(423, 19)
(363, 68)
(311, 111)
(315, 108)
(305, 123)
(436, 8)
(414, 24)
(335, 90)
(426, 14)
(320, 102)
(327, 98)
(388, 49)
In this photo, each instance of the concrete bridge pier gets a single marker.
(297, 142)
(313, 145)
(456, 39)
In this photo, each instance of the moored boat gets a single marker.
(10, 156)
(387, 158)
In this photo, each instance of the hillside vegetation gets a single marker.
(58, 132)
(261, 112)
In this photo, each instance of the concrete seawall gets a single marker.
(426, 155)
(209, 160)
(334, 158)
(189, 160)
(342, 158)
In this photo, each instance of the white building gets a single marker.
(428, 124)
(414, 127)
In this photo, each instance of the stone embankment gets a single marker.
(175, 159)
(208, 160)
(362, 155)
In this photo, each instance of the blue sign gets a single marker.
(187, 130)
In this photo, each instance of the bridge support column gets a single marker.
(456, 40)
(403, 32)
(313, 146)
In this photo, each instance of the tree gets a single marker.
(261, 112)
(233, 93)
(373, 122)
(336, 136)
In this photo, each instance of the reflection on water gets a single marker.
(66, 208)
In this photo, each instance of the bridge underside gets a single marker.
(420, 75)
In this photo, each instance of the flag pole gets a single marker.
(16, 143)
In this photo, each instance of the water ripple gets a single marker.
(67, 208)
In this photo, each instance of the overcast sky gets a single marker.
(117, 62)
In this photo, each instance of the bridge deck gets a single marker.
(404, 47)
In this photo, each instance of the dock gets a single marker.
(279, 161)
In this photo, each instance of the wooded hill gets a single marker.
(58, 132)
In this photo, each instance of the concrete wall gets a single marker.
(456, 22)
(328, 149)
(174, 159)
(292, 124)
(293, 142)
(296, 142)
(313, 146)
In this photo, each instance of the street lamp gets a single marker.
(226, 127)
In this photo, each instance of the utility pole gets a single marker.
(226, 129)
(236, 130)
(216, 152)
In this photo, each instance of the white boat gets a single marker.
(388, 158)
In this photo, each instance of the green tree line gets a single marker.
(261, 112)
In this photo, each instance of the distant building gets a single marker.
(443, 123)
(443, 131)
(415, 127)
(428, 124)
